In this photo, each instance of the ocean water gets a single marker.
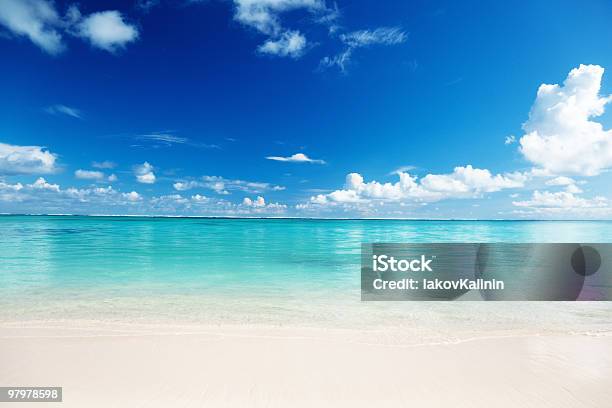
(254, 271)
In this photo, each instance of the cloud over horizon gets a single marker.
(296, 158)
(224, 186)
(561, 137)
(463, 182)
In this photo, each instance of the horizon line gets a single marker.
(294, 218)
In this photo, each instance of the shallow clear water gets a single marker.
(247, 270)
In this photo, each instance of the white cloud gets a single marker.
(574, 189)
(146, 178)
(104, 165)
(259, 205)
(560, 181)
(40, 21)
(43, 197)
(185, 185)
(223, 186)
(13, 187)
(36, 19)
(402, 169)
(144, 173)
(163, 137)
(340, 60)
(264, 15)
(199, 198)
(89, 174)
(112, 178)
(382, 36)
(362, 39)
(198, 204)
(510, 140)
(561, 137)
(289, 44)
(63, 110)
(258, 202)
(107, 30)
(561, 199)
(26, 160)
(463, 182)
(41, 184)
(132, 196)
(296, 158)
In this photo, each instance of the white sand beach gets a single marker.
(127, 365)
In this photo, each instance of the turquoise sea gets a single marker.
(272, 271)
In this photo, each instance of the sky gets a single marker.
(307, 108)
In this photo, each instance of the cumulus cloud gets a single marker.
(43, 192)
(463, 182)
(265, 17)
(35, 19)
(222, 185)
(42, 196)
(106, 30)
(258, 202)
(259, 205)
(201, 205)
(199, 198)
(42, 184)
(26, 160)
(289, 44)
(560, 181)
(63, 110)
(132, 196)
(561, 136)
(510, 140)
(89, 175)
(12, 187)
(40, 21)
(144, 173)
(296, 158)
(567, 182)
(361, 39)
(561, 199)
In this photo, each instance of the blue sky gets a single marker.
(201, 107)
